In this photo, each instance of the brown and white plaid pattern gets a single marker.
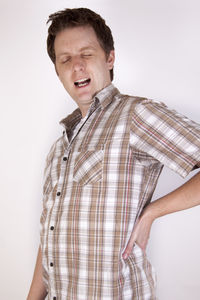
(97, 182)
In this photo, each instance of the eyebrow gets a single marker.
(87, 48)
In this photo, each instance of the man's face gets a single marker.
(81, 63)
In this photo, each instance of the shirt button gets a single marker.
(58, 194)
(52, 227)
(51, 264)
(64, 158)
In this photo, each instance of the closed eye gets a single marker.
(86, 55)
(65, 60)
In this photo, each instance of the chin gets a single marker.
(85, 97)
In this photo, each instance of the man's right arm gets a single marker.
(37, 290)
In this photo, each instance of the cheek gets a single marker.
(100, 71)
(64, 78)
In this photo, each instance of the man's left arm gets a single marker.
(184, 197)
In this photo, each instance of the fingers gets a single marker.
(139, 235)
(128, 249)
(130, 245)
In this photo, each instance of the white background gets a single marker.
(157, 56)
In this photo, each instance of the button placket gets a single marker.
(60, 182)
(63, 168)
(64, 162)
(52, 226)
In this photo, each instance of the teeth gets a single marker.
(82, 84)
(82, 80)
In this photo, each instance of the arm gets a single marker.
(37, 289)
(186, 196)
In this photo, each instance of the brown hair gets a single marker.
(75, 17)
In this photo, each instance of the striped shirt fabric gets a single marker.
(99, 176)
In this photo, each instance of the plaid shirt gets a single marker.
(98, 177)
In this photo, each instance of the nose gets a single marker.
(78, 64)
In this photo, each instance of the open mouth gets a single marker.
(82, 82)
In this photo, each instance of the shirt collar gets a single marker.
(106, 95)
(102, 98)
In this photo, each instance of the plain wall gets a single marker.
(157, 56)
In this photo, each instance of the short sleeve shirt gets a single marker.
(98, 177)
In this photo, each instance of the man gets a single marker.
(101, 174)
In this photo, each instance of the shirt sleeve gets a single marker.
(166, 135)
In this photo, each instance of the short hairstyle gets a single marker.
(69, 18)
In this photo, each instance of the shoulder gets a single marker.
(140, 101)
(141, 105)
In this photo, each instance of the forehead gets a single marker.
(75, 38)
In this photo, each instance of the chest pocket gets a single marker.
(88, 166)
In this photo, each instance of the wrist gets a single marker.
(148, 214)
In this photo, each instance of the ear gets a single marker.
(111, 59)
